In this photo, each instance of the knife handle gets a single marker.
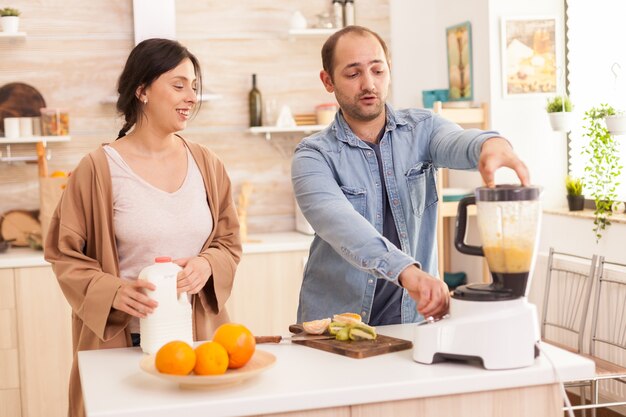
(268, 339)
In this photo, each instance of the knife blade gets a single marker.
(278, 339)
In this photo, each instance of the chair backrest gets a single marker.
(608, 324)
(569, 279)
(465, 115)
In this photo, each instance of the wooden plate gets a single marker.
(259, 362)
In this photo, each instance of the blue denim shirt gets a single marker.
(336, 181)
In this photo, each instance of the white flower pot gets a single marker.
(561, 121)
(616, 125)
(10, 24)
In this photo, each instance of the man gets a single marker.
(367, 186)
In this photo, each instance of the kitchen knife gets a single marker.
(278, 339)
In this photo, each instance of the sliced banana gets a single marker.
(316, 326)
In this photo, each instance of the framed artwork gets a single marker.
(529, 56)
(460, 70)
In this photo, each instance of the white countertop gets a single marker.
(257, 243)
(303, 378)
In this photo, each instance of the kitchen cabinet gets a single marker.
(266, 291)
(35, 344)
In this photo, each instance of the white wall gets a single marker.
(419, 62)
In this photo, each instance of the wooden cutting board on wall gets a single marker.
(19, 100)
(354, 349)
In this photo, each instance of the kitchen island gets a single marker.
(310, 382)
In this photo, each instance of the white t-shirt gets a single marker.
(149, 222)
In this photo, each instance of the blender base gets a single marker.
(500, 334)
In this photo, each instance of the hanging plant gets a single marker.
(603, 167)
(559, 110)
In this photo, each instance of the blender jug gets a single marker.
(508, 219)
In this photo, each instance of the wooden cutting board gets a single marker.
(18, 225)
(19, 100)
(354, 349)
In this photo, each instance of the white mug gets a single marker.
(26, 127)
(11, 127)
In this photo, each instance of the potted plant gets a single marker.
(10, 20)
(603, 166)
(615, 122)
(575, 197)
(559, 110)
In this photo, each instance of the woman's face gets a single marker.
(171, 98)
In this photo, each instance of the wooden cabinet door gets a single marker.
(266, 290)
(9, 365)
(45, 342)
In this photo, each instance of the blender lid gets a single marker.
(508, 192)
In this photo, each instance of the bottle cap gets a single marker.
(162, 259)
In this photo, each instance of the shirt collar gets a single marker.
(345, 134)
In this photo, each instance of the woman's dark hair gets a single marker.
(328, 49)
(146, 62)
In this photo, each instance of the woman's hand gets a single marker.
(196, 272)
(131, 298)
(431, 294)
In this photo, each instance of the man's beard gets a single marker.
(354, 111)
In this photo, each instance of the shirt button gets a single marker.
(403, 234)
(396, 202)
(369, 154)
(363, 313)
(369, 281)
(389, 172)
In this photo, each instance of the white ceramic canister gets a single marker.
(172, 318)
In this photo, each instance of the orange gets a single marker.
(176, 358)
(238, 342)
(58, 174)
(211, 359)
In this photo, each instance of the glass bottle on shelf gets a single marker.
(255, 104)
(338, 13)
(348, 13)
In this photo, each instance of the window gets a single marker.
(596, 70)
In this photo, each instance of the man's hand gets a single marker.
(196, 272)
(130, 298)
(497, 152)
(431, 294)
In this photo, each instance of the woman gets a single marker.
(150, 193)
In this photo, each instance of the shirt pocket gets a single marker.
(422, 187)
(356, 197)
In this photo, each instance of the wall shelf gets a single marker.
(268, 130)
(41, 142)
(312, 32)
(205, 97)
(16, 35)
(34, 139)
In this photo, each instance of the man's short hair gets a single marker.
(328, 50)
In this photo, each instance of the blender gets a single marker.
(492, 323)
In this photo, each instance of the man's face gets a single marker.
(360, 77)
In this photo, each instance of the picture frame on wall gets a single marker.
(460, 68)
(529, 56)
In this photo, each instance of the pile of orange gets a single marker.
(232, 347)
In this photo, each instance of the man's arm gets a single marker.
(333, 218)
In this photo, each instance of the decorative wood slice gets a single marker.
(17, 225)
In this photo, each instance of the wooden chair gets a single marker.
(466, 117)
(569, 279)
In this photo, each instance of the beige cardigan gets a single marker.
(81, 248)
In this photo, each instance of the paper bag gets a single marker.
(50, 191)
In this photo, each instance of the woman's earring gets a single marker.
(145, 101)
